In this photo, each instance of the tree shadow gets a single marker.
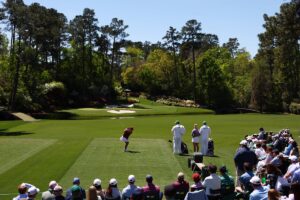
(3, 132)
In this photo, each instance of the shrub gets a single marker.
(295, 108)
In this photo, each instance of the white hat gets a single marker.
(180, 174)
(52, 184)
(243, 142)
(113, 181)
(255, 180)
(33, 190)
(57, 188)
(97, 182)
(293, 158)
(131, 178)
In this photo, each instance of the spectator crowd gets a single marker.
(267, 167)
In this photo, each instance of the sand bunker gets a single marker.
(121, 111)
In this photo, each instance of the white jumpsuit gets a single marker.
(177, 130)
(204, 131)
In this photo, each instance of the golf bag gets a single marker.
(210, 147)
(184, 148)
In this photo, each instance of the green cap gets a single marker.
(177, 122)
(75, 188)
(204, 122)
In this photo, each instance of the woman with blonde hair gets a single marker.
(92, 194)
(273, 194)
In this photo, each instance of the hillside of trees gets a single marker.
(48, 62)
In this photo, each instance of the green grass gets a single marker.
(86, 148)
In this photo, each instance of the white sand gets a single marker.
(121, 111)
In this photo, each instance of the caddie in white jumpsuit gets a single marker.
(177, 130)
(205, 132)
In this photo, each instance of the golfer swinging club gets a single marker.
(125, 137)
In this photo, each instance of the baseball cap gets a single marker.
(180, 175)
(113, 181)
(57, 188)
(255, 180)
(131, 178)
(33, 190)
(52, 184)
(97, 182)
(293, 158)
(149, 178)
(204, 123)
(177, 122)
(196, 177)
(243, 142)
(76, 180)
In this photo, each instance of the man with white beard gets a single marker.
(204, 132)
(177, 130)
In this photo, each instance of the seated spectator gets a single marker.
(181, 186)
(58, 192)
(292, 167)
(262, 135)
(246, 177)
(130, 188)
(97, 185)
(269, 155)
(273, 195)
(259, 192)
(197, 185)
(196, 195)
(76, 189)
(277, 161)
(260, 152)
(295, 191)
(227, 182)
(32, 192)
(49, 195)
(212, 184)
(294, 150)
(92, 193)
(151, 190)
(112, 191)
(169, 192)
(22, 189)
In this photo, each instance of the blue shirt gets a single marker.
(245, 179)
(260, 193)
(296, 176)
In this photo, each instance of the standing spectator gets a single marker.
(130, 188)
(261, 135)
(260, 152)
(246, 177)
(32, 192)
(260, 192)
(125, 137)
(196, 138)
(242, 155)
(151, 190)
(92, 193)
(204, 132)
(49, 194)
(100, 192)
(112, 191)
(181, 187)
(197, 185)
(177, 130)
(58, 192)
(212, 184)
(76, 189)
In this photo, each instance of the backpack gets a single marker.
(184, 148)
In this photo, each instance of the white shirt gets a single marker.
(212, 182)
(178, 130)
(292, 168)
(204, 131)
(260, 153)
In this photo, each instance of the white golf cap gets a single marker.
(293, 158)
(131, 178)
(33, 190)
(97, 182)
(52, 184)
(255, 180)
(243, 142)
(113, 181)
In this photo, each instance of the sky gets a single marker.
(148, 20)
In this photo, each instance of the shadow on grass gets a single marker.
(3, 132)
(55, 115)
(133, 151)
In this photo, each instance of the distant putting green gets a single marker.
(104, 158)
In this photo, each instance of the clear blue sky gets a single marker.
(149, 20)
